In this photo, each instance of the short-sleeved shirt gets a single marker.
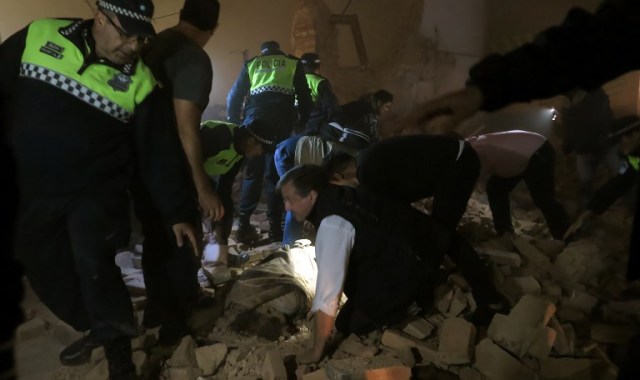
(186, 66)
(334, 242)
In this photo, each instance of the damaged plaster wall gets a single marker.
(404, 45)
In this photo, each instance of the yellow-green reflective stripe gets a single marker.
(50, 57)
(222, 162)
(272, 73)
(314, 81)
(634, 161)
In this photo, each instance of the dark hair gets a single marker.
(310, 61)
(203, 14)
(336, 162)
(305, 178)
(383, 96)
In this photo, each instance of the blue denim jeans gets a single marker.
(260, 172)
(284, 159)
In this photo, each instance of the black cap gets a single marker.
(260, 130)
(135, 16)
(269, 46)
(203, 14)
(310, 59)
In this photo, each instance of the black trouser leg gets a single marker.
(498, 190)
(452, 193)
(540, 179)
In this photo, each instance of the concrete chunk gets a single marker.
(419, 328)
(210, 357)
(184, 355)
(395, 373)
(496, 364)
(353, 346)
(457, 339)
(273, 367)
(500, 257)
(31, 329)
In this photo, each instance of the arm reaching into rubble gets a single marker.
(334, 242)
(560, 58)
(322, 329)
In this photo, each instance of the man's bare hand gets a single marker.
(211, 206)
(185, 229)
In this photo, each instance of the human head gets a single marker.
(300, 188)
(121, 28)
(310, 61)
(269, 47)
(203, 15)
(341, 168)
(382, 100)
(257, 139)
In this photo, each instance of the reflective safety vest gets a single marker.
(222, 162)
(52, 58)
(634, 161)
(313, 80)
(272, 73)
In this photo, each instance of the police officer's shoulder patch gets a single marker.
(120, 82)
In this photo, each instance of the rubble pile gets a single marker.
(571, 317)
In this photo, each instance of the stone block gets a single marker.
(497, 364)
(184, 373)
(418, 328)
(31, 329)
(524, 285)
(353, 346)
(141, 362)
(549, 247)
(579, 263)
(398, 339)
(533, 311)
(63, 333)
(99, 372)
(395, 373)
(582, 301)
(273, 367)
(457, 339)
(316, 375)
(541, 343)
(565, 337)
(184, 355)
(500, 257)
(210, 357)
(532, 254)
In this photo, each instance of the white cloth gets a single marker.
(334, 241)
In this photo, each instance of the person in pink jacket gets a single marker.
(510, 157)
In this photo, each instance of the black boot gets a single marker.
(275, 230)
(79, 352)
(118, 354)
(246, 233)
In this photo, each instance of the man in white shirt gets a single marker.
(384, 255)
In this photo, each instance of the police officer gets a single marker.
(224, 147)
(96, 102)
(325, 102)
(271, 83)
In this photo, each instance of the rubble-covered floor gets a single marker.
(572, 315)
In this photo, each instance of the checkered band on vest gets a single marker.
(282, 90)
(76, 89)
(122, 11)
